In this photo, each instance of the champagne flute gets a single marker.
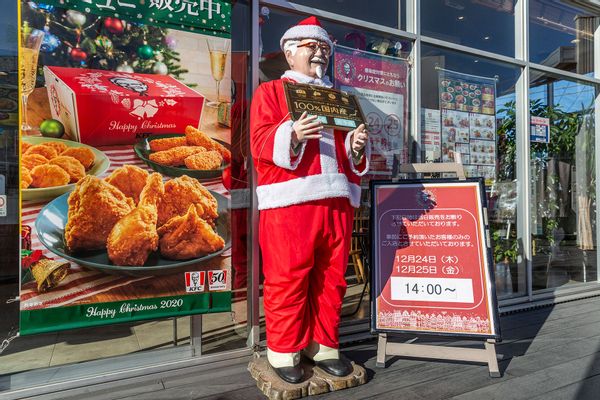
(30, 49)
(217, 50)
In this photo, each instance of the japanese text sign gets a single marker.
(211, 17)
(431, 263)
(333, 108)
(380, 84)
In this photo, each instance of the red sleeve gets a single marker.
(265, 117)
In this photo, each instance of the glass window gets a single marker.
(272, 27)
(468, 107)
(562, 35)
(562, 165)
(381, 12)
(483, 24)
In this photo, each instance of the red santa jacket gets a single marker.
(323, 168)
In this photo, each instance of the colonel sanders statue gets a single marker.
(308, 184)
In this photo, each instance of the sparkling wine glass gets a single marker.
(217, 50)
(30, 49)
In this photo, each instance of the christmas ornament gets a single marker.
(145, 51)
(76, 18)
(114, 25)
(49, 43)
(52, 128)
(227, 177)
(171, 42)
(104, 43)
(124, 68)
(78, 54)
(42, 7)
(160, 68)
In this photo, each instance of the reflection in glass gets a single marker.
(562, 35)
(502, 190)
(563, 211)
(381, 12)
(482, 24)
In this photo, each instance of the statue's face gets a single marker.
(311, 58)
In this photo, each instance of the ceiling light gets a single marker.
(461, 17)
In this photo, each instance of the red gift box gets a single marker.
(102, 108)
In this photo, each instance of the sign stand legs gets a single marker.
(486, 355)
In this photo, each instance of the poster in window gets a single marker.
(380, 84)
(468, 115)
(124, 213)
(431, 259)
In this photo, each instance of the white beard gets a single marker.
(319, 71)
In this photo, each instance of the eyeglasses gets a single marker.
(313, 46)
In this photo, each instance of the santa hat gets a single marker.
(309, 28)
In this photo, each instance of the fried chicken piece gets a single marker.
(58, 146)
(188, 236)
(196, 137)
(71, 165)
(205, 160)
(30, 161)
(48, 175)
(42, 150)
(134, 236)
(26, 178)
(175, 156)
(95, 207)
(167, 143)
(83, 154)
(25, 146)
(130, 180)
(182, 192)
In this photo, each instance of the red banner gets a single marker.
(431, 259)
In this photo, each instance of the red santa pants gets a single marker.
(305, 252)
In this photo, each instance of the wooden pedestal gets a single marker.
(317, 381)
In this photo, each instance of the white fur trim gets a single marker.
(367, 154)
(281, 147)
(300, 32)
(329, 163)
(280, 360)
(308, 188)
(301, 78)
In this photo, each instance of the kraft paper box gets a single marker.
(102, 108)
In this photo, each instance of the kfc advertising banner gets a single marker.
(125, 140)
(431, 263)
(380, 84)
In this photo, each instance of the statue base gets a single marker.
(317, 381)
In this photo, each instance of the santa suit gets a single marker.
(306, 214)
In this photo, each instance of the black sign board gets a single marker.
(334, 108)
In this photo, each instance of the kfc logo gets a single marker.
(194, 281)
(217, 280)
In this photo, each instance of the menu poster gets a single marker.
(468, 116)
(379, 82)
(431, 259)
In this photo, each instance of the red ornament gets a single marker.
(78, 54)
(114, 25)
(227, 177)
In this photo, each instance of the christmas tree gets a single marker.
(81, 40)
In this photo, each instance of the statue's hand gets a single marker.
(359, 140)
(305, 128)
